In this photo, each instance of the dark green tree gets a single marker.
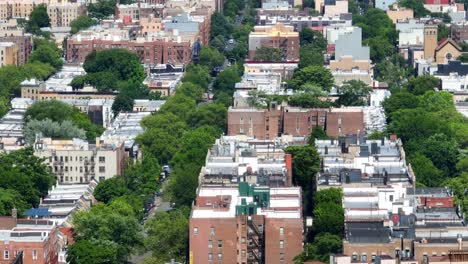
(92, 252)
(197, 74)
(353, 93)
(310, 55)
(306, 164)
(317, 75)
(38, 19)
(167, 234)
(312, 38)
(425, 171)
(191, 90)
(111, 188)
(268, 54)
(421, 84)
(210, 58)
(82, 22)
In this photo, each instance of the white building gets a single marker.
(411, 32)
(77, 161)
(454, 83)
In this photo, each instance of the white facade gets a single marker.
(76, 161)
(454, 83)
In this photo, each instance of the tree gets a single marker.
(47, 54)
(425, 171)
(38, 19)
(306, 163)
(324, 244)
(198, 75)
(307, 100)
(380, 48)
(220, 26)
(9, 199)
(111, 188)
(353, 93)
(312, 38)
(124, 65)
(167, 234)
(416, 5)
(459, 186)
(400, 100)
(114, 223)
(463, 57)
(92, 252)
(81, 22)
(122, 103)
(102, 8)
(78, 82)
(317, 75)
(26, 174)
(191, 90)
(310, 55)
(210, 58)
(317, 133)
(421, 84)
(443, 31)
(268, 54)
(329, 217)
(209, 115)
(187, 163)
(49, 128)
(226, 80)
(331, 195)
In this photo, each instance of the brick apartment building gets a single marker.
(249, 224)
(24, 45)
(36, 239)
(149, 52)
(278, 36)
(9, 54)
(271, 123)
(459, 32)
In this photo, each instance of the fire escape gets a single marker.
(256, 242)
(284, 49)
(89, 174)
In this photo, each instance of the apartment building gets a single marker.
(62, 14)
(459, 31)
(246, 210)
(356, 161)
(294, 121)
(10, 32)
(164, 78)
(398, 13)
(286, 69)
(278, 36)
(152, 50)
(301, 21)
(32, 241)
(77, 161)
(21, 8)
(409, 224)
(249, 224)
(8, 54)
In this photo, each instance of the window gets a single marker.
(195, 230)
(373, 258)
(354, 257)
(391, 198)
(281, 243)
(34, 254)
(281, 230)
(243, 240)
(101, 178)
(220, 256)
(6, 254)
(210, 256)
(102, 169)
(281, 256)
(364, 258)
(210, 243)
(212, 231)
(102, 159)
(220, 243)
(243, 253)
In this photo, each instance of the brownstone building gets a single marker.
(249, 224)
(271, 123)
(149, 52)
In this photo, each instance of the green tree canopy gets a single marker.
(82, 22)
(312, 38)
(191, 90)
(421, 84)
(38, 19)
(198, 75)
(309, 55)
(425, 171)
(48, 54)
(168, 243)
(268, 54)
(210, 57)
(306, 164)
(353, 93)
(317, 75)
(93, 252)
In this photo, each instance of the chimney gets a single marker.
(288, 160)
(14, 213)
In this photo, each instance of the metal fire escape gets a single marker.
(256, 243)
(284, 49)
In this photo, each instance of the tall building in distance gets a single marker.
(278, 36)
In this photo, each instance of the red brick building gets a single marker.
(279, 36)
(251, 224)
(270, 123)
(149, 52)
(38, 240)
